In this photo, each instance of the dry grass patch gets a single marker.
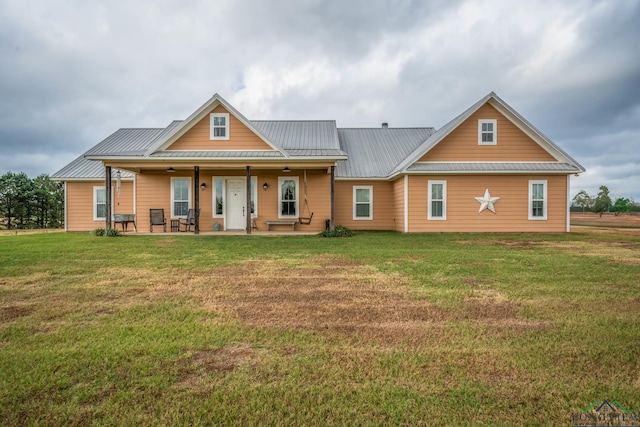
(619, 252)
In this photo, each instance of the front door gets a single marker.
(236, 200)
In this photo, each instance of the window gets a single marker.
(219, 126)
(487, 132)
(288, 197)
(362, 202)
(99, 203)
(219, 185)
(180, 197)
(218, 202)
(538, 200)
(437, 200)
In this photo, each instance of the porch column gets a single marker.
(248, 200)
(333, 197)
(196, 199)
(107, 187)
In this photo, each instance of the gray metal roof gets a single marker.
(299, 134)
(374, 152)
(177, 154)
(497, 167)
(82, 168)
(126, 142)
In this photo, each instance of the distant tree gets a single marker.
(622, 205)
(602, 202)
(30, 203)
(583, 200)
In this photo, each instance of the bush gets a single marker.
(340, 231)
(111, 232)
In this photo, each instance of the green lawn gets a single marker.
(378, 329)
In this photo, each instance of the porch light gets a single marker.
(265, 186)
(171, 170)
(203, 186)
(286, 169)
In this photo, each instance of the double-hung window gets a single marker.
(99, 203)
(437, 209)
(288, 197)
(219, 126)
(487, 132)
(538, 200)
(180, 197)
(362, 202)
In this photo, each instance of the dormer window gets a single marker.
(219, 126)
(487, 132)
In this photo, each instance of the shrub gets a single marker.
(111, 232)
(340, 231)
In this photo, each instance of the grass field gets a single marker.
(378, 329)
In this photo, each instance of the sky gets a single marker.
(74, 71)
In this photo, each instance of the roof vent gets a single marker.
(385, 125)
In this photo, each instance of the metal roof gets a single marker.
(300, 135)
(497, 167)
(215, 154)
(374, 152)
(126, 142)
(82, 168)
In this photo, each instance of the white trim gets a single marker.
(545, 200)
(66, 209)
(370, 203)
(406, 203)
(280, 180)
(213, 127)
(444, 200)
(494, 132)
(254, 186)
(95, 211)
(189, 191)
(135, 195)
(568, 203)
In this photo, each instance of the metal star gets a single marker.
(487, 201)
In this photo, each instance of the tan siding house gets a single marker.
(488, 170)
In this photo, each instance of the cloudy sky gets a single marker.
(74, 71)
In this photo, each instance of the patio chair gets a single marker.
(189, 221)
(156, 217)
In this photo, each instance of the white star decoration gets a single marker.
(487, 201)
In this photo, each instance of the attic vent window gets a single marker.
(219, 126)
(488, 132)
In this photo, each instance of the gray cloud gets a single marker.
(73, 72)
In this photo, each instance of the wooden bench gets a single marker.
(283, 222)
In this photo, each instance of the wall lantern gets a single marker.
(203, 186)
(286, 169)
(265, 186)
(171, 170)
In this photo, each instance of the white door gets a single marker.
(236, 199)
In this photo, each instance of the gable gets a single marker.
(461, 145)
(198, 138)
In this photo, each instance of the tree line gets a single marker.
(602, 202)
(30, 203)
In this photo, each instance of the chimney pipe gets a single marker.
(385, 125)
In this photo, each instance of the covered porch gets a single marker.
(266, 198)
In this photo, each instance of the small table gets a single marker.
(175, 225)
(124, 220)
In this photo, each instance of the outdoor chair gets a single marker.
(156, 217)
(188, 222)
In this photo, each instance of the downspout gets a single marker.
(66, 222)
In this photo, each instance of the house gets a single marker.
(486, 170)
